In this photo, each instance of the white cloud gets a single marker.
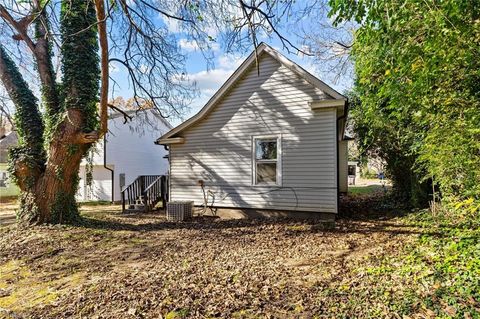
(188, 45)
(208, 82)
(230, 61)
(306, 49)
(143, 68)
(191, 45)
(214, 46)
(339, 49)
(173, 25)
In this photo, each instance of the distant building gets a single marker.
(353, 172)
(130, 151)
(126, 152)
(7, 140)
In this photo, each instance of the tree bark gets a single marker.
(56, 188)
(48, 186)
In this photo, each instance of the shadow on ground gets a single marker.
(365, 214)
(367, 223)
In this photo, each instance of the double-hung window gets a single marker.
(266, 160)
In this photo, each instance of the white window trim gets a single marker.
(279, 160)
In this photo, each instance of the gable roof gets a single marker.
(263, 48)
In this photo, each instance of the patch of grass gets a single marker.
(22, 290)
(11, 190)
(178, 314)
(96, 203)
(365, 190)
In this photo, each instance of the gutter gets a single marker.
(112, 172)
(169, 150)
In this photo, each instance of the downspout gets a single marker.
(167, 148)
(338, 164)
(112, 172)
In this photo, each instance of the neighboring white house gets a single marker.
(7, 140)
(130, 152)
(272, 137)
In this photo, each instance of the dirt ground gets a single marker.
(140, 266)
(7, 211)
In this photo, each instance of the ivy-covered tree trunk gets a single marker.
(52, 144)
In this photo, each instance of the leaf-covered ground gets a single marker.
(118, 266)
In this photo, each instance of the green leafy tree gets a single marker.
(57, 130)
(417, 66)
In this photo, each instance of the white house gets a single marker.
(126, 152)
(271, 138)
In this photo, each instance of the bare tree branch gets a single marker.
(126, 117)
(6, 112)
(19, 26)
(265, 19)
(43, 56)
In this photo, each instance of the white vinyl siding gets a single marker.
(99, 189)
(218, 149)
(130, 151)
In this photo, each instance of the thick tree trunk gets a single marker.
(52, 198)
(48, 178)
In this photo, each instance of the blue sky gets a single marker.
(209, 78)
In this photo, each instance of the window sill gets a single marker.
(267, 185)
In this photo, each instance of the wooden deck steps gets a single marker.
(145, 193)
